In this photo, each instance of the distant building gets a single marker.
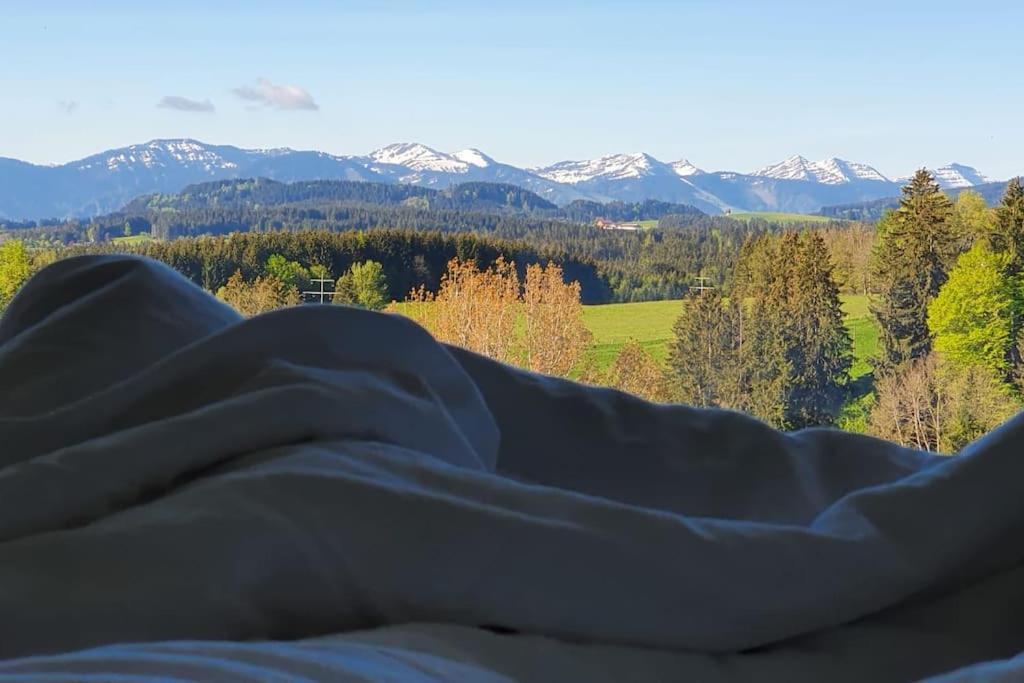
(605, 224)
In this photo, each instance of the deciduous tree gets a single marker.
(363, 285)
(263, 294)
(555, 333)
(15, 268)
(973, 317)
(635, 371)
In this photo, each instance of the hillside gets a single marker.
(105, 182)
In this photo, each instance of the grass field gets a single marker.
(650, 323)
(141, 238)
(780, 217)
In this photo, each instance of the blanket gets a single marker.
(324, 487)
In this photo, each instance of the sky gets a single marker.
(729, 85)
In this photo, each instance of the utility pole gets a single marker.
(322, 293)
(701, 287)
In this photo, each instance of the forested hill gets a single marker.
(873, 210)
(474, 196)
(265, 192)
(653, 263)
(409, 259)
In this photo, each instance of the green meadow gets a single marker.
(780, 217)
(650, 323)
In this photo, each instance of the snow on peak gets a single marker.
(957, 175)
(684, 168)
(419, 157)
(611, 167)
(831, 171)
(474, 157)
(161, 153)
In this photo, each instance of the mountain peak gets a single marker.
(831, 171)
(159, 153)
(418, 157)
(608, 167)
(684, 168)
(956, 175)
(474, 157)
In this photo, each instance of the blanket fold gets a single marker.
(169, 470)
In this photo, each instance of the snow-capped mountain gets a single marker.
(474, 157)
(611, 167)
(107, 181)
(954, 176)
(633, 177)
(684, 168)
(417, 157)
(831, 171)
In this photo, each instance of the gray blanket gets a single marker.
(327, 480)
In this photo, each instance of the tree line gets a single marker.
(950, 308)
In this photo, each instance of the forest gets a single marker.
(764, 333)
(658, 263)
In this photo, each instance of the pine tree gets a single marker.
(1009, 229)
(819, 346)
(915, 250)
(703, 353)
(762, 375)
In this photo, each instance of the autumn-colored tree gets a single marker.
(635, 371)
(259, 296)
(555, 333)
(473, 308)
(484, 311)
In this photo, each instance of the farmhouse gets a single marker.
(605, 224)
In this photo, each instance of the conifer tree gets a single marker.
(1009, 229)
(915, 250)
(703, 353)
(819, 346)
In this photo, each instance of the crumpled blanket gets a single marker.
(170, 471)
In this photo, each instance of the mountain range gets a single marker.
(107, 181)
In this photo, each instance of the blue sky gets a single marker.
(728, 85)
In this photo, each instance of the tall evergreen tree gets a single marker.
(702, 357)
(819, 346)
(916, 248)
(1009, 229)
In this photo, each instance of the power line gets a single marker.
(700, 286)
(322, 293)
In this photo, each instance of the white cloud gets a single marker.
(277, 96)
(68, 106)
(185, 104)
